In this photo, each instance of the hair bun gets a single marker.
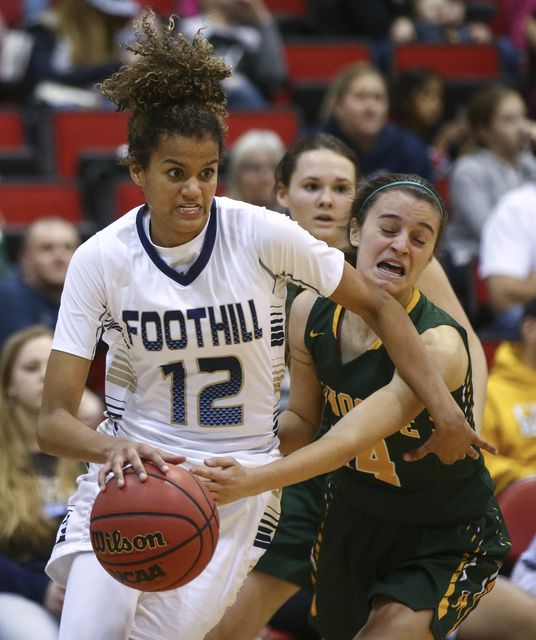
(171, 71)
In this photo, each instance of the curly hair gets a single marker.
(174, 89)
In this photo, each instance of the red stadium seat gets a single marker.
(23, 202)
(297, 8)
(490, 347)
(11, 130)
(320, 61)
(164, 8)
(464, 61)
(518, 506)
(284, 121)
(18, 157)
(79, 131)
(443, 186)
(127, 195)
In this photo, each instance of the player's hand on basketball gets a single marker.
(451, 444)
(128, 452)
(226, 479)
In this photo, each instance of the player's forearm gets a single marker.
(294, 432)
(358, 430)
(414, 363)
(60, 434)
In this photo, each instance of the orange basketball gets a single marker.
(158, 534)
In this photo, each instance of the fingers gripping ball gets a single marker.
(158, 534)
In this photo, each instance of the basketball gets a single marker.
(158, 534)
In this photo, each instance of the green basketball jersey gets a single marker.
(379, 481)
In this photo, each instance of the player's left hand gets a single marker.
(226, 479)
(451, 444)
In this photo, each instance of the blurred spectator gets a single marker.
(520, 19)
(34, 488)
(510, 413)
(5, 263)
(32, 8)
(76, 45)
(508, 259)
(356, 110)
(499, 159)
(446, 21)
(15, 50)
(418, 105)
(31, 292)
(245, 33)
(251, 166)
(362, 18)
(439, 21)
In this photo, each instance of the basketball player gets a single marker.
(315, 179)
(189, 292)
(408, 545)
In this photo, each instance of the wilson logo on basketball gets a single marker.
(115, 542)
(153, 572)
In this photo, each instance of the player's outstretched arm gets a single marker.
(362, 427)
(60, 433)
(436, 287)
(392, 325)
(359, 429)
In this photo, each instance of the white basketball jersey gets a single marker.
(195, 359)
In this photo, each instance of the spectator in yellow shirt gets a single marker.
(510, 414)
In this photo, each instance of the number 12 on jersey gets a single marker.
(208, 414)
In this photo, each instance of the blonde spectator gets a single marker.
(34, 488)
(251, 166)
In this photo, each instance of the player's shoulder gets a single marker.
(120, 234)
(230, 207)
(305, 300)
(302, 305)
(449, 351)
(108, 245)
(248, 218)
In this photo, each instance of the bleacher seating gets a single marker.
(316, 60)
(463, 66)
(23, 201)
(295, 8)
(283, 120)
(455, 62)
(313, 64)
(17, 156)
(164, 8)
(11, 129)
(126, 196)
(56, 175)
(75, 132)
(518, 506)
